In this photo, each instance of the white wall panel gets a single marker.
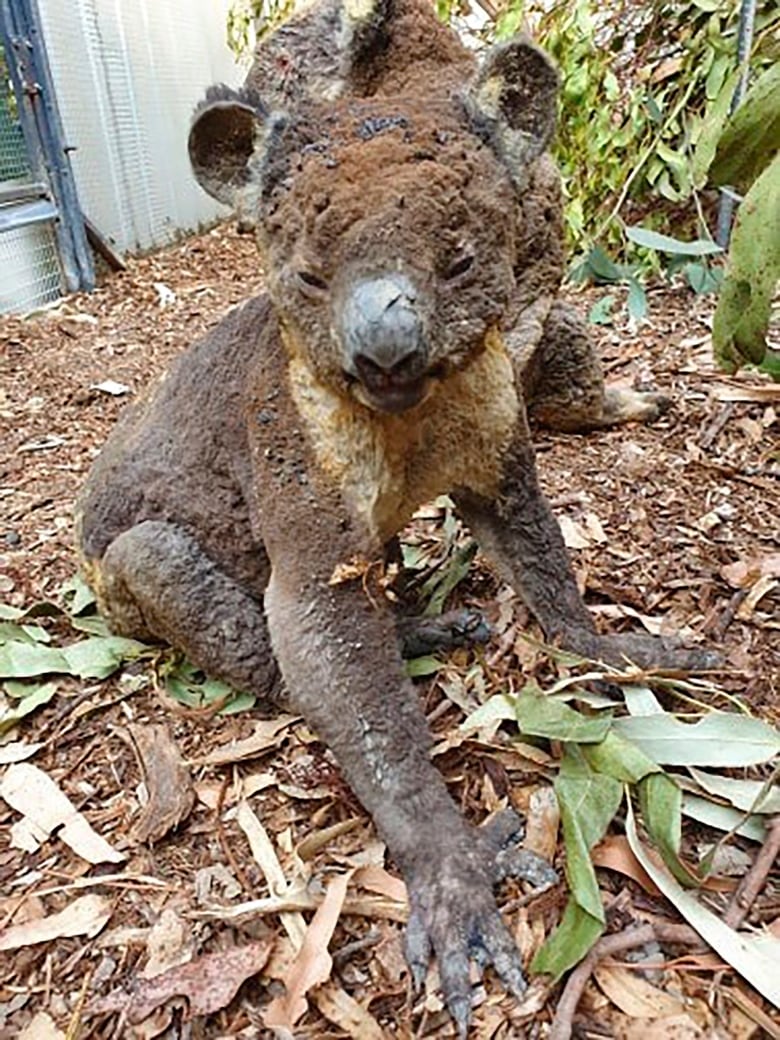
(128, 74)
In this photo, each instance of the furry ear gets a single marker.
(514, 101)
(222, 141)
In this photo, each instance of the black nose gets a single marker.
(384, 337)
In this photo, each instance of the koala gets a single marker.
(409, 220)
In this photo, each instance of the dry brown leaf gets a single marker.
(208, 983)
(679, 1027)
(345, 1012)
(766, 392)
(356, 567)
(46, 808)
(634, 995)
(614, 853)
(168, 944)
(84, 916)
(762, 587)
(313, 963)
(542, 821)
(377, 879)
(265, 856)
(167, 780)
(268, 734)
(743, 573)
(41, 1027)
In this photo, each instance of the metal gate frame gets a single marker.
(52, 197)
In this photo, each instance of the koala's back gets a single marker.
(180, 454)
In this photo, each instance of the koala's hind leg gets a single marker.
(564, 383)
(155, 581)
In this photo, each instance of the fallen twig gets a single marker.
(610, 945)
(752, 883)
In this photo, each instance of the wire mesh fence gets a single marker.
(30, 273)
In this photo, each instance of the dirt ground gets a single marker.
(665, 523)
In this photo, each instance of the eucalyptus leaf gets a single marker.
(441, 585)
(588, 802)
(755, 957)
(569, 943)
(99, 656)
(666, 244)
(723, 818)
(619, 758)
(718, 739)
(539, 716)
(36, 696)
(27, 660)
(661, 801)
(417, 667)
(747, 795)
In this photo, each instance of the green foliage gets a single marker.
(639, 85)
(612, 753)
(250, 20)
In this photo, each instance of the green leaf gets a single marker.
(637, 299)
(27, 660)
(719, 739)
(78, 594)
(501, 707)
(724, 818)
(417, 667)
(441, 585)
(752, 135)
(666, 244)
(741, 319)
(601, 311)
(539, 716)
(601, 267)
(569, 943)
(36, 696)
(755, 957)
(619, 758)
(588, 801)
(748, 795)
(703, 279)
(661, 801)
(99, 656)
(711, 130)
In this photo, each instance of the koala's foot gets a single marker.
(427, 635)
(643, 651)
(621, 406)
(453, 914)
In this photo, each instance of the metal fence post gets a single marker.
(28, 67)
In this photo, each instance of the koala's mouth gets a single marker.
(384, 392)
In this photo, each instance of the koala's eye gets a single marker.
(312, 282)
(460, 267)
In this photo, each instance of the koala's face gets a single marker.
(388, 232)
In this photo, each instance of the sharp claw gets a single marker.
(460, 1009)
(418, 951)
(511, 974)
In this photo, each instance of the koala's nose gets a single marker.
(384, 337)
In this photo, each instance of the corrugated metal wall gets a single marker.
(128, 74)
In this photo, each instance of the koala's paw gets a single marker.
(427, 635)
(650, 652)
(453, 914)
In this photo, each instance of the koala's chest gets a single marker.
(387, 466)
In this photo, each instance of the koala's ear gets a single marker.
(222, 141)
(514, 99)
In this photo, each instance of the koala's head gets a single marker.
(387, 224)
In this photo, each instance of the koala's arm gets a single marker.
(339, 658)
(517, 529)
